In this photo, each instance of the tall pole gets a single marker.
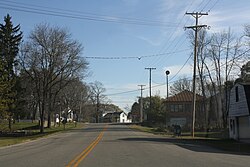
(141, 104)
(167, 73)
(150, 87)
(196, 28)
(80, 115)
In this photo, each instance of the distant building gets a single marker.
(68, 114)
(239, 112)
(179, 109)
(116, 117)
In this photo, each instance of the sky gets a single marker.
(123, 37)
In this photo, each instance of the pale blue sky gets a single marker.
(127, 29)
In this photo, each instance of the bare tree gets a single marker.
(74, 95)
(224, 54)
(219, 54)
(181, 85)
(49, 57)
(97, 97)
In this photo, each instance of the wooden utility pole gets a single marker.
(150, 95)
(141, 104)
(196, 28)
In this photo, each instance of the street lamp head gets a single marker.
(167, 72)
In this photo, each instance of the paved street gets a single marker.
(103, 145)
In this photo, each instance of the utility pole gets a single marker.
(141, 104)
(196, 28)
(150, 80)
(80, 115)
(167, 73)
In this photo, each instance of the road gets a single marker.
(110, 145)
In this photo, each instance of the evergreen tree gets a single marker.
(10, 38)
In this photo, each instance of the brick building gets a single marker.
(179, 110)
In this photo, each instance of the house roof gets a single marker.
(247, 93)
(117, 113)
(108, 115)
(242, 108)
(184, 96)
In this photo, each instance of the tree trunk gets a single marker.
(49, 110)
(10, 126)
(42, 121)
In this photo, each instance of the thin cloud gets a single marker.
(156, 42)
(186, 70)
(221, 20)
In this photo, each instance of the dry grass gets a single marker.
(34, 133)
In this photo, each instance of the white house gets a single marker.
(239, 112)
(124, 118)
(69, 114)
(117, 117)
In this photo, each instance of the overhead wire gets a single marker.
(134, 57)
(104, 18)
(213, 5)
(181, 68)
(200, 5)
(205, 5)
(171, 79)
(176, 43)
(136, 90)
(214, 69)
(182, 39)
(172, 35)
(80, 15)
(89, 13)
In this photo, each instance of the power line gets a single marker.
(205, 5)
(135, 57)
(200, 5)
(172, 35)
(181, 39)
(82, 16)
(213, 5)
(181, 68)
(163, 84)
(125, 92)
(89, 13)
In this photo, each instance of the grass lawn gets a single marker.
(214, 139)
(4, 126)
(6, 141)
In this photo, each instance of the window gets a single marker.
(176, 108)
(172, 108)
(188, 107)
(180, 108)
(236, 94)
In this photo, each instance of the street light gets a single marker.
(167, 73)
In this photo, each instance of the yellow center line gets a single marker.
(75, 162)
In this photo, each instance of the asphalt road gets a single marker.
(110, 145)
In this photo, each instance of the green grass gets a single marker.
(162, 131)
(215, 139)
(6, 141)
(4, 126)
